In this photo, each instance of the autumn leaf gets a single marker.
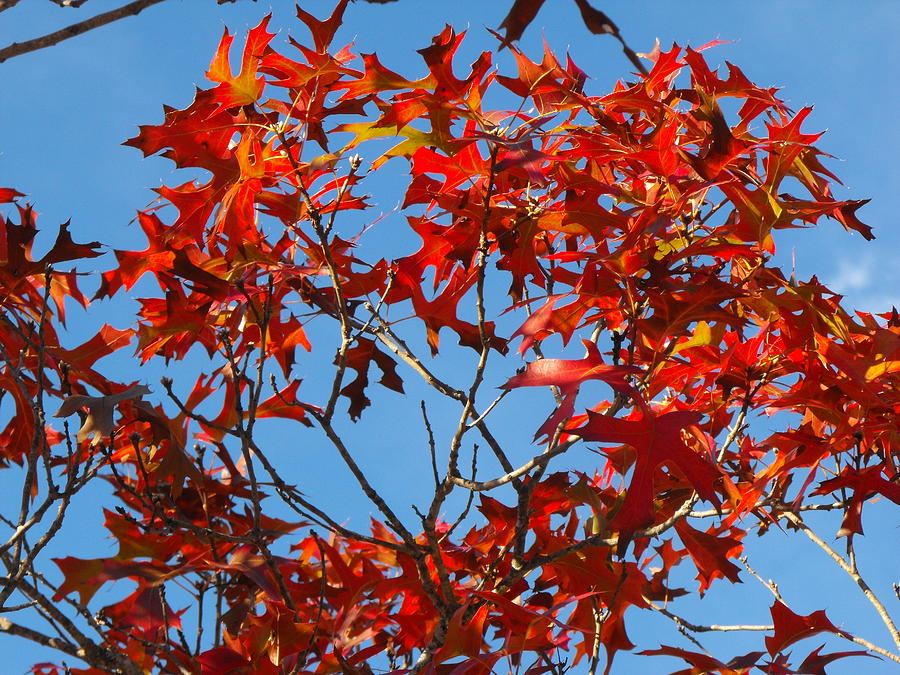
(710, 553)
(865, 483)
(790, 627)
(705, 663)
(569, 375)
(245, 87)
(105, 342)
(547, 320)
(323, 31)
(656, 439)
(359, 357)
(16, 241)
(145, 610)
(520, 15)
(815, 663)
(285, 404)
(98, 423)
(8, 195)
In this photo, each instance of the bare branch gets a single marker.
(10, 628)
(851, 572)
(537, 460)
(19, 48)
(698, 628)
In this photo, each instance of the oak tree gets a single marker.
(603, 257)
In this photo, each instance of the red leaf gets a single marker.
(520, 15)
(705, 663)
(710, 554)
(245, 87)
(285, 405)
(8, 195)
(465, 637)
(323, 31)
(105, 342)
(224, 661)
(815, 663)
(547, 321)
(144, 609)
(359, 356)
(790, 627)
(569, 375)
(865, 483)
(845, 214)
(657, 439)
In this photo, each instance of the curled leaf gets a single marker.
(98, 423)
(521, 14)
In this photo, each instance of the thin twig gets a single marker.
(431, 445)
(698, 628)
(10, 628)
(19, 48)
(537, 460)
(851, 572)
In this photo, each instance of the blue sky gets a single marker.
(66, 110)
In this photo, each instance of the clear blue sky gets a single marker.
(66, 110)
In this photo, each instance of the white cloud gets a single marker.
(852, 275)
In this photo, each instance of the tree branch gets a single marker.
(698, 628)
(537, 460)
(19, 48)
(852, 573)
(10, 628)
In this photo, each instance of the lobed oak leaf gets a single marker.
(16, 241)
(845, 214)
(704, 663)
(790, 627)
(98, 423)
(465, 635)
(377, 79)
(86, 576)
(145, 610)
(520, 15)
(656, 439)
(285, 405)
(441, 311)
(710, 554)
(359, 357)
(8, 195)
(323, 30)
(438, 56)
(865, 483)
(815, 663)
(547, 321)
(245, 87)
(16, 437)
(137, 543)
(105, 342)
(569, 375)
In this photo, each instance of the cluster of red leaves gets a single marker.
(33, 291)
(641, 215)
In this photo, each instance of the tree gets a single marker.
(640, 221)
